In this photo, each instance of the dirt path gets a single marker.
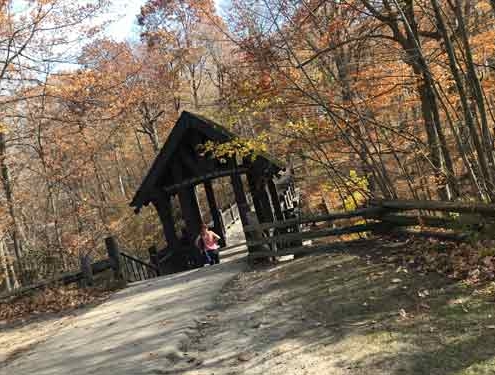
(139, 330)
(353, 312)
(350, 313)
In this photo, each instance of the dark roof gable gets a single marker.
(210, 129)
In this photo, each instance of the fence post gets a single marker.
(154, 259)
(87, 271)
(114, 256)
(255, 235)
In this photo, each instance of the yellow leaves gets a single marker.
(3, 128)
(238, 147)
(353, 190)
(303, 127)
(483, 6)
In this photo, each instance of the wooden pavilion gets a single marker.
(180, 167)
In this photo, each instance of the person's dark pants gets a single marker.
(213, 256)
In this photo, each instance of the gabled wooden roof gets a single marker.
(211, 131)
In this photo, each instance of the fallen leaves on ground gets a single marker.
(52, 300)
(472, 263)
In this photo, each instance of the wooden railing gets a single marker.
(138, 270)
(125, 267)
(459, 220)
(229, 215)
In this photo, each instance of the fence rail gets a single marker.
(368, 212)
(138, 270)
(389, 217)
(269, 239)
(125, 268)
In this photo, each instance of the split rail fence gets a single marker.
(125, 268)
(454, 221)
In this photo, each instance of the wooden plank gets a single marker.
(114, 256)
(138, 261)
(188, 202)
(163, 206)
(128, 271)
(101, 266)
(260, 197)
(279, 216)
(153, 252)
(240, 197)
(219, 228)
(318, 234)
(206, 177)
(369, 212)
(190, 211)
(65, 278)
(462, 207)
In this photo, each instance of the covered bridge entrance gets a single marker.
(180, 168)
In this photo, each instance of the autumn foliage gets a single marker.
(364, 99)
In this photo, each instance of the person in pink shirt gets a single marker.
(207, 241)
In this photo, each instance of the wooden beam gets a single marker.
(188, 202)
(219, 227)
(463, 207)
(260, 197)
(190, 210)
(318, 234)
(206, 177)
(240, 198)
(115, 259)
(189, 162)
(277, 208)
(369, 212)
(163, 206)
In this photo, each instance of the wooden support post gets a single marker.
(275, 201)
(240, 198)
(261, 200)
(163, 206)
(114, 256)
(188, 202)
(154, 258)
(218, 225)
(190, 210)
(87, 271)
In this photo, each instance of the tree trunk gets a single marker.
(473, 81)
(440, 154)
(10, 277)
(468, 116)
(9, 195)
